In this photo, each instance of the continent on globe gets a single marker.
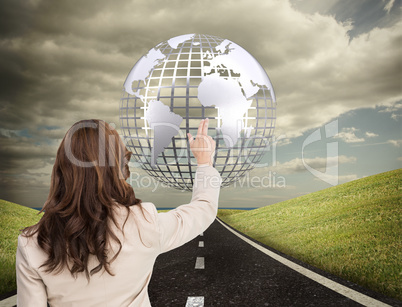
(141, 69)
(241, 62)
(175, 41)
(227, 95)
(165, 125)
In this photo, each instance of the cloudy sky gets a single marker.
(333, 63)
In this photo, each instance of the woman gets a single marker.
(96, 243)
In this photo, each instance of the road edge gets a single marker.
(368, 297)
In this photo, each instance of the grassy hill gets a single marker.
(13, 217)
(351, 230)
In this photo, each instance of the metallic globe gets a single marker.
(183, 80)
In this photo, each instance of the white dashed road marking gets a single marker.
(201, 244)
(345, 291)
(199, 263)
(195, 301)
(201, 234)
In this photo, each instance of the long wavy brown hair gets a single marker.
(88, 178)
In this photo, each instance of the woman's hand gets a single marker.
(203, 146)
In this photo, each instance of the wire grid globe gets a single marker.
(174, 81)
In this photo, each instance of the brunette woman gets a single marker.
(96, 243)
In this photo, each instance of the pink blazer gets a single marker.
(143, 240)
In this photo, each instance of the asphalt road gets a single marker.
(238, 274)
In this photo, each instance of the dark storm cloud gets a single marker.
(15, 17)
(64, 54)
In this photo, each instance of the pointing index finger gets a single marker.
(205, 128)
(200, 127)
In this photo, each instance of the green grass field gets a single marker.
(351, 230)
(13, 217)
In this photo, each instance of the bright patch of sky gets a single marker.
(366, 134)
(361, 15)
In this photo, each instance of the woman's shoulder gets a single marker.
(28, 238)
(147, 206)
(146, 210)
(30, 250)
(145, 217)
(143, 211)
